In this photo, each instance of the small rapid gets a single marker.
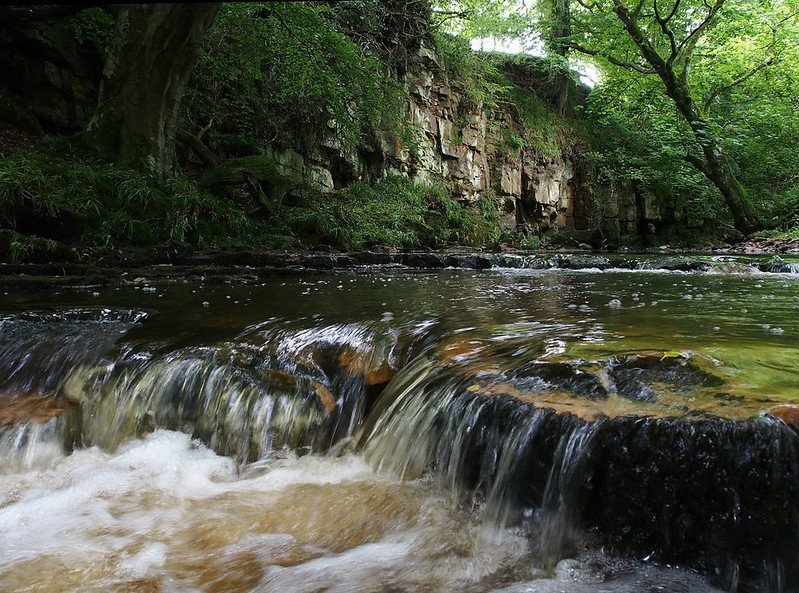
(404, 432)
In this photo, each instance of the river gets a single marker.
(387, 429)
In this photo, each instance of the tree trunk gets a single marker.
(557, 42)
(715, 165)
(146, 73)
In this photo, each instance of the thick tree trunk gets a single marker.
(145, 77)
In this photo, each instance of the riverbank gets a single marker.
(154, 266)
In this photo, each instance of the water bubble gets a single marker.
(614, 304)
(95, 294)
(206, 304)
(777, 331)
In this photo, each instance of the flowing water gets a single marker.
(392, 430)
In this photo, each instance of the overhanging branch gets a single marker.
(640, 68)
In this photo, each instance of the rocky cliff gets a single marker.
(480, 153)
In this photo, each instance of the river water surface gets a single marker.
(322, 432)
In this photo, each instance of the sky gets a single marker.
(589, 74)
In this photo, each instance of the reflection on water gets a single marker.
(372, 431)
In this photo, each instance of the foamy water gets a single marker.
(167, 514)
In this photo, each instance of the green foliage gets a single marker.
(93, 26)
(394, 212)
(117, 206)
(282, 73)
(476, 72)
(486, 19)
(741, 71)
(18, 248)
(541, 129)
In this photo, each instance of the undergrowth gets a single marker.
(53, 192)
(51, 197)
(394, 212)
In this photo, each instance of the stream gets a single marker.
(385, 429)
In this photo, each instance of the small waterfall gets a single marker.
(493, 450)
(564, 496)
(274, 386)
(29, 444)
(241, 413)
(511, 428)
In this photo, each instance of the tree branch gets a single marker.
(664, 26)
(717, 92)
(640, 68)
(196, 145)
(686, 47)
(767, 61)
(700, 164)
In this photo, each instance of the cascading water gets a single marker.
(426, 432)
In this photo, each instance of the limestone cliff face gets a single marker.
(456, 141)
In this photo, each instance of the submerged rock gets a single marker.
(636, 376)
(19, 408)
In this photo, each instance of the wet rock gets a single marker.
(582, 262)
(374, 258)
(505, 260)
(19, 408)
(636, 375)
(718, 495)
(472, 262)
(677, 264)
(422, 260)
(788, 413)
(777, 265)
(537, 375)
(374, 372)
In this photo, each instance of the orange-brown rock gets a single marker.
(326, 397)
(287, 382)
(787, 413)
(375, 372)
(31, 407)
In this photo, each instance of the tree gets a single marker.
(145, 76)
(557, 24)
(662, 39)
